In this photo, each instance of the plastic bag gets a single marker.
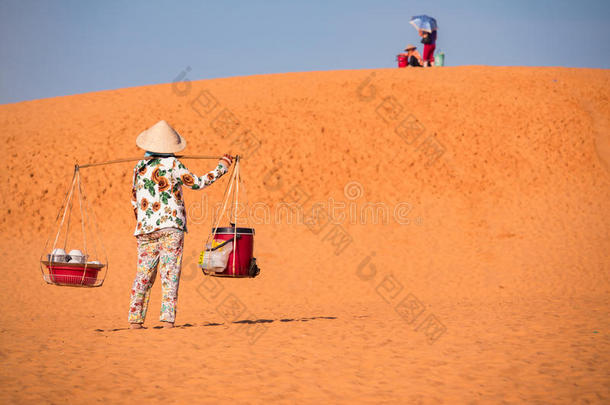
(216, 260)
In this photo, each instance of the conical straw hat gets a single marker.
(161, 138)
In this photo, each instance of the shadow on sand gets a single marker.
(243, 321)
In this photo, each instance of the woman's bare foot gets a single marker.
(136, 326)
(168, 325)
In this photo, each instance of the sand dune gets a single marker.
(468, 260)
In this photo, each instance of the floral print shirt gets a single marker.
(157, 192)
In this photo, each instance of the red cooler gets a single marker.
(245, 264)
(402, 60)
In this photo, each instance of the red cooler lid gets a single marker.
(229, 230)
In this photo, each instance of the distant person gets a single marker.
(429, 41)
(413, 57)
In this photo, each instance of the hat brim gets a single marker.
(143, 142)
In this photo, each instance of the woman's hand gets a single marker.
(226, 160)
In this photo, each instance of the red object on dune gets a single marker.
(72, 274)
(243, 250)
(429, 52)
(402, 60)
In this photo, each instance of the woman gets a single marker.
(429, 41)
(413, 57)
(161, 218)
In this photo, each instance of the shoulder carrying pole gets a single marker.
(134, 159)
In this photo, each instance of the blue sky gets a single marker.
(54, 48)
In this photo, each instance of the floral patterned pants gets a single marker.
(163, 250)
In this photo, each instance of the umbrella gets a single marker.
(424, 23)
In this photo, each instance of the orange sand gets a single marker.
(507, 243)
